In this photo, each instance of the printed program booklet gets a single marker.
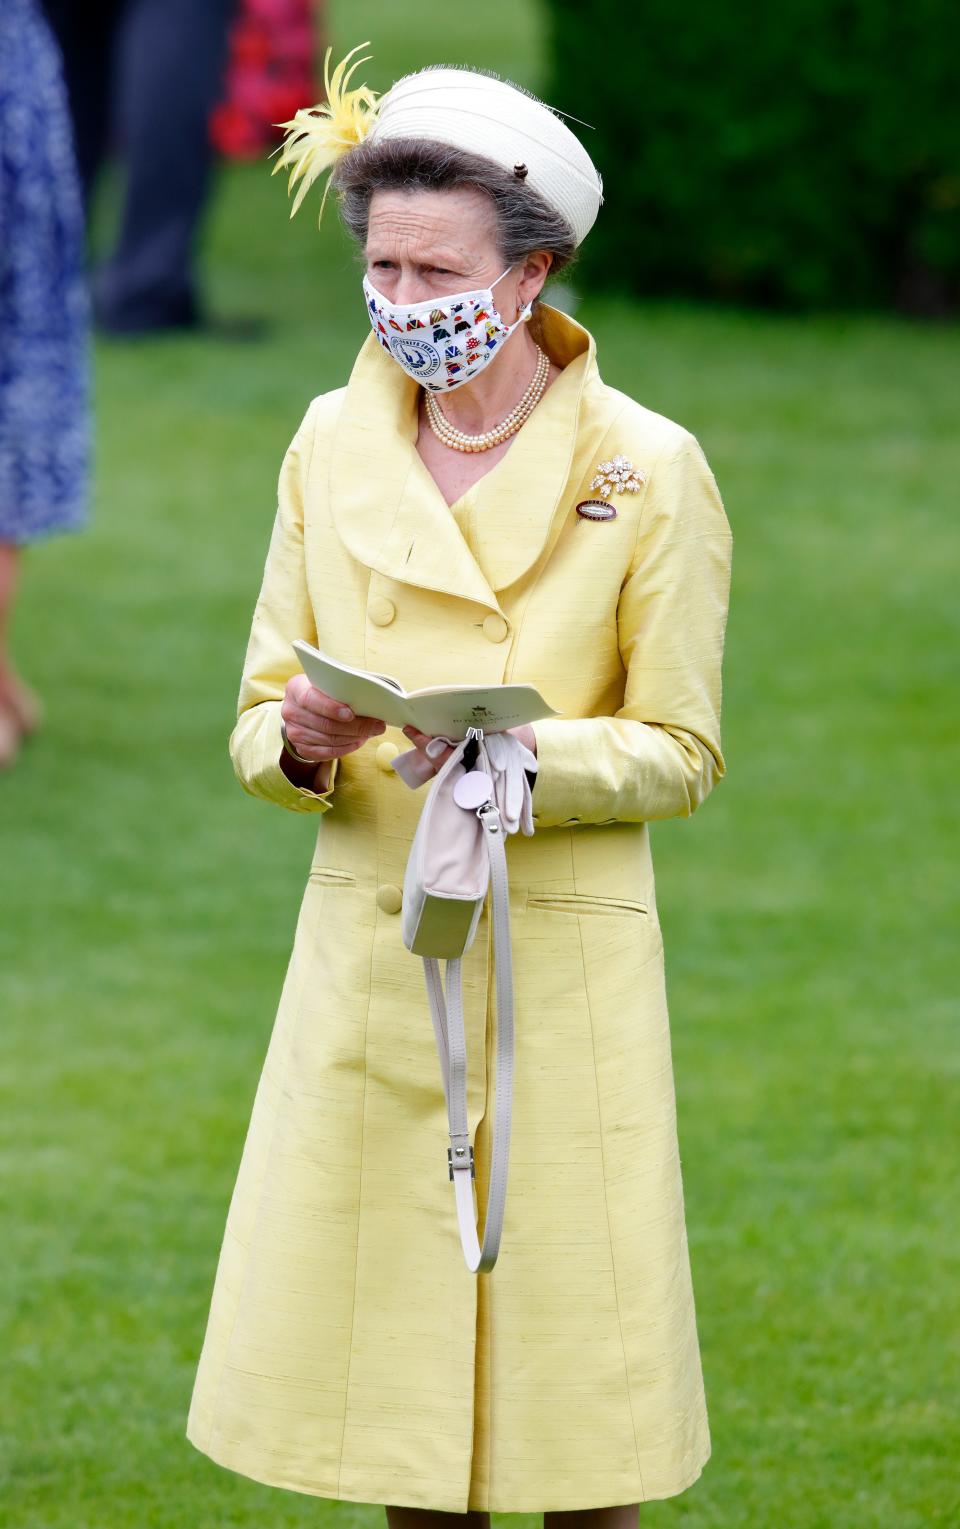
(437, 709)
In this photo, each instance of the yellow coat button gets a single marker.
(494, 627)
(390, 897)
(381, 610)
(386, 751)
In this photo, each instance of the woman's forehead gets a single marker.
(427, 224)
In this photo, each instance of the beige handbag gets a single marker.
(479, 795)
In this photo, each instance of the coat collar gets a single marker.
(390, 514)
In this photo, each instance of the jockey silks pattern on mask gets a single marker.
(443, 342)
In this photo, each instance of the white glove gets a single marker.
(509, 760)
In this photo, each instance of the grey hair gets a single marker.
(525, 222)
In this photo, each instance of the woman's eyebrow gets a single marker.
(441, 256)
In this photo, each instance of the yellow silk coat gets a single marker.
(348, 1352)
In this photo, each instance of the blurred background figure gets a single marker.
(270, 73)
(147, 74)
(86, 34)
(44, 442)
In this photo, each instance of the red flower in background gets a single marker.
(270, 75)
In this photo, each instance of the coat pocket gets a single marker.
(582, 902)
(332, 876)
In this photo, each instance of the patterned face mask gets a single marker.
(445, 341)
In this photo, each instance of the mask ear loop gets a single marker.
(524, 313)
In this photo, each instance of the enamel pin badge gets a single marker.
(596, 509)
(618, 476)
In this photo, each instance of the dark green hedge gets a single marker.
(798, 152)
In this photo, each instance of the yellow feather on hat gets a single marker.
(318, 136)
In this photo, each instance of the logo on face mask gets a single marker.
(464, 334)
(416, 356)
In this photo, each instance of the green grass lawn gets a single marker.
(810, 910)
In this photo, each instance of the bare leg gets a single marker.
(428, 1518)
(594, 1518)
(19, 708)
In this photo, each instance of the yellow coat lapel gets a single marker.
(521, 502)
(390, 514)
(386, 508)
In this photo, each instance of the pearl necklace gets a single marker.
(458, 441)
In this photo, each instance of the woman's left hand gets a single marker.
(420, 740)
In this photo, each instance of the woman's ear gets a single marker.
(536, 269)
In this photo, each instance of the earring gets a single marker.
(522, 315)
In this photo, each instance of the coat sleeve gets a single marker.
(283, 612)
(659, 755)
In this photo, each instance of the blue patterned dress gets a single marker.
(44, 308)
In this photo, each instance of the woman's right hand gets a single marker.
(316, 724)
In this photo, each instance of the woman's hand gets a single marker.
(420, 740)
(321, 727)
(526, 735)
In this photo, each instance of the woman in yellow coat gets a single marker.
(576, 542)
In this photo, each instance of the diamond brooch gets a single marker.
(618, 476)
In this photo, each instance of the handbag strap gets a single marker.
(446, 1011)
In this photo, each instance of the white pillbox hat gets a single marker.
(487, 116)
(462, 108)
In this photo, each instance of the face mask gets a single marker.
(445, 341)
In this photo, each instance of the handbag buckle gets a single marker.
(483, 813)
(460, 1151)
